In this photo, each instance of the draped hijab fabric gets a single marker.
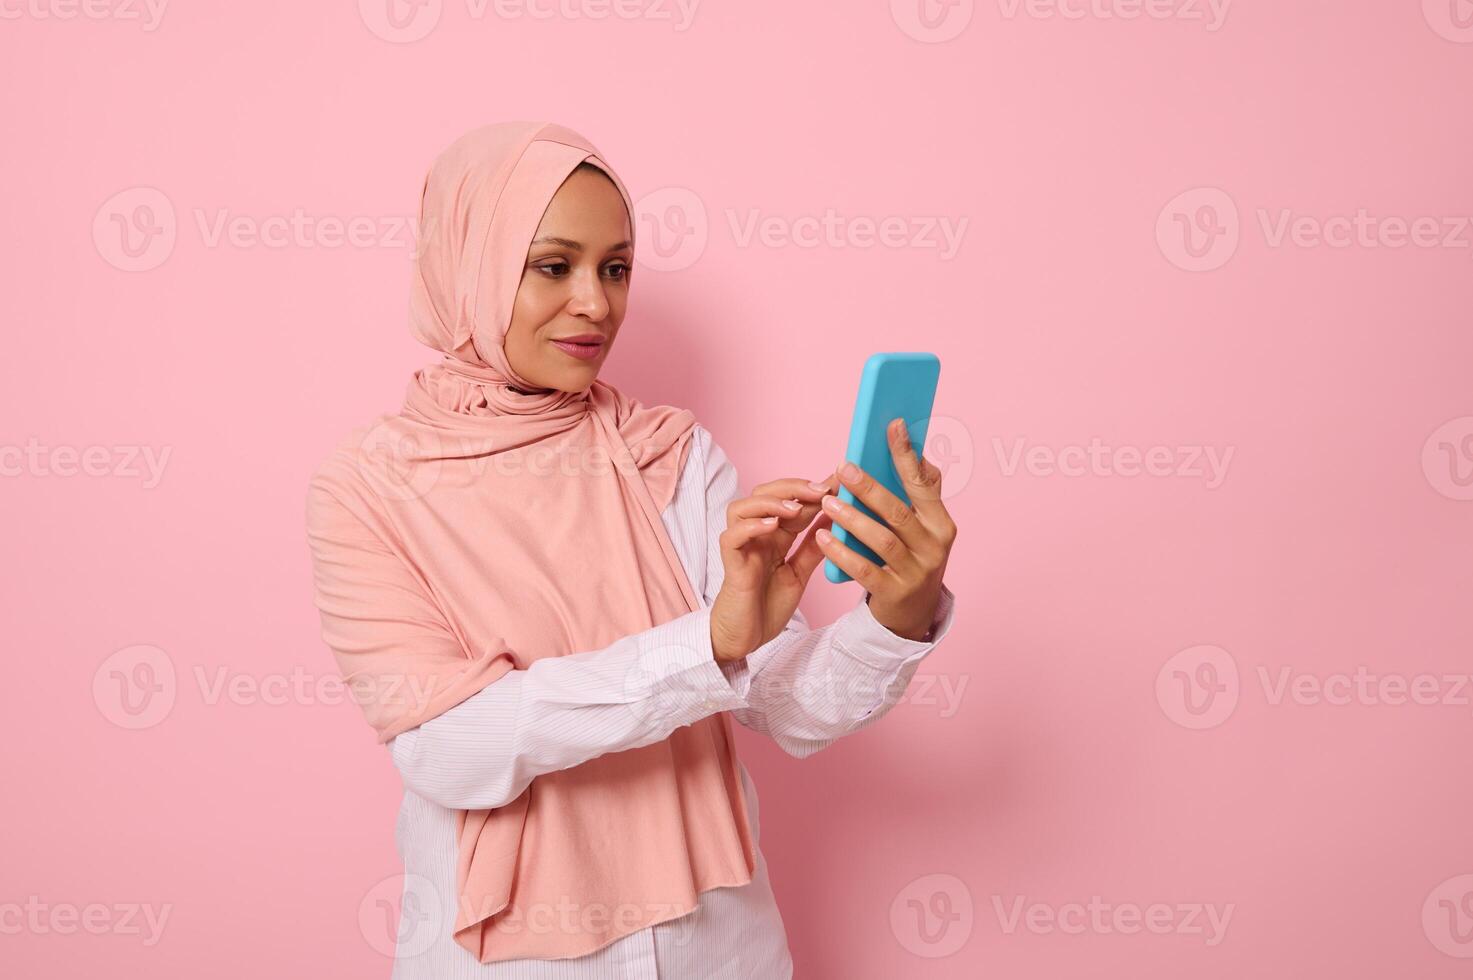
(491, 523)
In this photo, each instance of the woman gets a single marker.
(549, 600)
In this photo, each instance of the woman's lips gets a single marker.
(584, 352)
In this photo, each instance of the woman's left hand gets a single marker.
(904, 592)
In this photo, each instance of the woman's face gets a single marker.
(575, 285)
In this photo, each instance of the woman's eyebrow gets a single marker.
(575, 246)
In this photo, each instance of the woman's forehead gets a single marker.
(586, 210)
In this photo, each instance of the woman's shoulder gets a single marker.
(701, 437)
(707, 466)
(706, 449)
(691, 459)
(340, 480)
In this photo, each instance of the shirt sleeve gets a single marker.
(562, 711)
(808, 687)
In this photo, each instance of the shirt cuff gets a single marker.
(678, 669)
(739, 676)
(868, 640)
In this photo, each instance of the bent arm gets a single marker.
(562, 711)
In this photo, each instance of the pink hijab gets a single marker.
(482, 528)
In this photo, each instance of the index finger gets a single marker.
(796, 487)
(925, 514)
(921, 477)
(888, 508)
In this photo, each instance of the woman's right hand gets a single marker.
(762, 585)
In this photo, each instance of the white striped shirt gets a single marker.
(805, 688)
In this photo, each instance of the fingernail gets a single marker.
(819, 486)
(823, 535)
(830, 503)
(769, 520)
(849, 471)
(791, 504)
(904, 432)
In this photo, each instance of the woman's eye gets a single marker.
(557, 270)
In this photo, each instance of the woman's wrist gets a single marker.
(904, 622)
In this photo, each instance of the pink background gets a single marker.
(1075, 308)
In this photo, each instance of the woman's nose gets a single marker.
(589, 298)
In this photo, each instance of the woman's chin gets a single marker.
(576, 380)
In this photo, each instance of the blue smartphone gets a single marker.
(892, 385)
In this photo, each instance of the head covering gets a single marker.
(484, 527)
